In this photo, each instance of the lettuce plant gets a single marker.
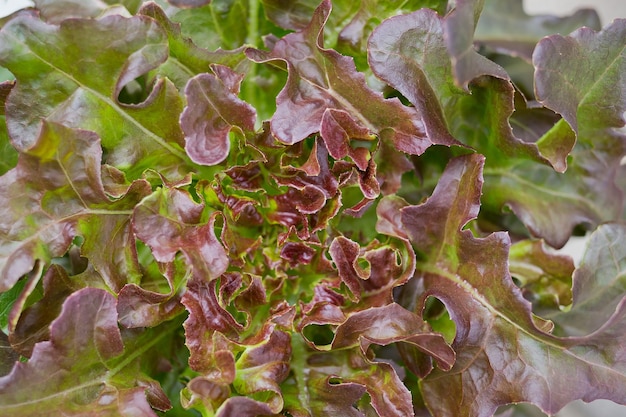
(294, 208)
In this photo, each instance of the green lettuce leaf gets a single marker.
(70, 370)
(505, 26)
(88, 74)
(56, 194)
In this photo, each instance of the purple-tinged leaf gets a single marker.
(410, 50)
(297, 253)
(145, 306)
(205, 329)
(337, 130)
(580, 76)
(391, 165)
(68, 371)
(169, 221)
(321, 79)
(141, 308)
(345, 254)
(55, 194)
(88, 72)
(203, 392)
(390, 324)
(262, 367)
(212, 111)
(409, 53)
(389, 221)
(504, 353)
(185, 58)
(243, 407)
(33, 323)
(467, 64)
(505, 27)
(598, 283)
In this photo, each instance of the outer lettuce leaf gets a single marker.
(70, 370)
(504, 354)
(467, 63)
(505, 27)
(187, 60)
(88, 72)
(598, 284)
(591, 65)
(583, 197)
(55, 194)
(326, 81)
(592, 99)
(410, 50)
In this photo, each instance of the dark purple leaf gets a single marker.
(390, 324)
(204, 328)
(328, 80)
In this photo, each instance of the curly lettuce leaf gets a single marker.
(169, 221)
(71, 369)
(504, 353)
(212, 111)
(56, 194)
(326, 81)
(592, 99)
(84, 62)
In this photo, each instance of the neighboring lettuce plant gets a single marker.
(285, 208)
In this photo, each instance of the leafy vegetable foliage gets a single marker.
(230, 208)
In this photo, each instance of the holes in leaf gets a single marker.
(320, 335)
(436, 314)
(135, 92)
(72, 261)
(334, 380)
